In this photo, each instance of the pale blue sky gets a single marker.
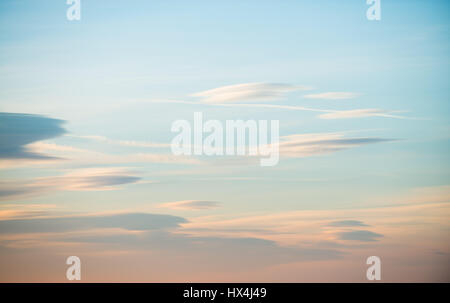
(89, 72)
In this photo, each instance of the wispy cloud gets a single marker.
(304, 145)
(347, 223)
(247, 91)
(23, 211)
(333, 95)
(151, 233)
(84, 156)
(130, 143)
(128, 221)
(234, 241)
(190, 205)
(359, 235)
(41, 147)
(93, 179)
(326, 113)
(360, 113)
(292, 227)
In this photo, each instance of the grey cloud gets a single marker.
(157, 237)
(345, 223)
(131, 221)
(7, 192)
(39, 186)
(107, 180)
(360, 235)
(18, 130)
(215, 251)
(302, 146)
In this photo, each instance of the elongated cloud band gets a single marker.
(326, 113)
(129, 221)
(304, 145)
(359, 113)
(190, 205)
(332, 95)
(247, 91)
(79, 180)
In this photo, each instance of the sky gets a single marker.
(86, 167)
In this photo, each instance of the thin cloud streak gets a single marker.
(333, 95)
(247, 91)
(127, 221)
(190, 205)
(360, 113)
(359, 235)
(130, 143)
(79, 180)
(305, 145)
(327, 113)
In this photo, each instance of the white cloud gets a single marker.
(45, 146)
(84, 156)
(327, 113)
(247, 91)
(358, 113)
(333, 95)
(130, 143)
